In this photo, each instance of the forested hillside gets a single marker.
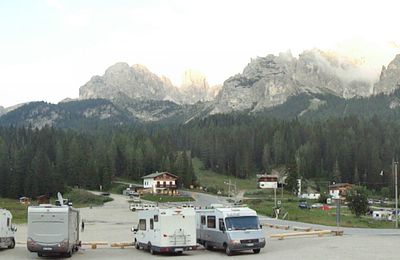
(348, 149)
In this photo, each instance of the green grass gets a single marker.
(215, 181)
(82, 198)
(316, 216)
(18, 210)
(166, 198)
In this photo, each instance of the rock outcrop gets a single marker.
(389, 79)
(269, 81)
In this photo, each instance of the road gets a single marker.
(112, 223)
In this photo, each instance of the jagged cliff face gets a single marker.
(138, 83)
(195, 88)
(269, 81)
(390, 77)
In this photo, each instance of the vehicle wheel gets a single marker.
(228, 251)
(256, 251)
(39, 254)
(179, 253)
(207, 246)
(137, 245)
(150, 248)
(12, 245)
(68, 254)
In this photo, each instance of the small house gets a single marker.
(339, 190)
(160, 183)
(268, 182)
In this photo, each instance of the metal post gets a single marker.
(338, 212)
(229, 188)
(275, 196)
(396, 194)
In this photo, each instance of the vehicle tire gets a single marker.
(256, 251)
(137, 245)
(228, 251)
(39, 254)
(207, 246)
(12, 245)
(150, 248)
(68, 254)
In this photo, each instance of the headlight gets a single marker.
(235, 241)
(262, 240)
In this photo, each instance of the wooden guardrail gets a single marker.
(319, 233)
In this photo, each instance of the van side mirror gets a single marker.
(134, 229)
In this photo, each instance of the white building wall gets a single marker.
(268, 185)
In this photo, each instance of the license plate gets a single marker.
(250, 244)
(48, 248)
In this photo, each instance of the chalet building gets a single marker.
(160, 183)
(339, 190)
(268, 182)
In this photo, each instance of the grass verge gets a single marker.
(215, 181)
(165, 198)
(316, 216)
(18, 210)
(82, 198)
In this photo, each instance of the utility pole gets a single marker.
(396, 194)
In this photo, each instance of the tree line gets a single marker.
(351, 149)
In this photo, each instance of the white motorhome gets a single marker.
(53, 229)
(231, 229)
(170, 230)
(7, 230)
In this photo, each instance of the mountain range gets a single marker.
(313, 84)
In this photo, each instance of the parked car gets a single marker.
(317, 205)
(304, 205)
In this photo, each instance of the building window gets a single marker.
(155, 218)
(8, 222)
(165, 184)
(151, 224)
(211, 221)
(142, 224)
(170, 183)
(203, 220)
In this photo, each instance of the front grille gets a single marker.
(247, 241)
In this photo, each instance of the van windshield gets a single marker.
(241, 223)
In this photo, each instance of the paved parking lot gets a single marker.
(112, 223)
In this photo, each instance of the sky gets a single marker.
(49, 48)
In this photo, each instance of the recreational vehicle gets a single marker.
(53, 229)
(231, 229)
(7, 230)
(171, 230)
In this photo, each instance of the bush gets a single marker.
(357, 200)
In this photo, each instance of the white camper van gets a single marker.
(171, 230)
(231, 229)
(7, 230)
(53, 229)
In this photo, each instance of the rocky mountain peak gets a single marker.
(389, 79)
(269, 81)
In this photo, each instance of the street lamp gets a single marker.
(229, 186)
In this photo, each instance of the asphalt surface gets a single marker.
(112, 223)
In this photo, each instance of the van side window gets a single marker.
(203, 220)
(211, 221)
(151, 224)
(142, 224)
(221, 224)
(155, 218)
